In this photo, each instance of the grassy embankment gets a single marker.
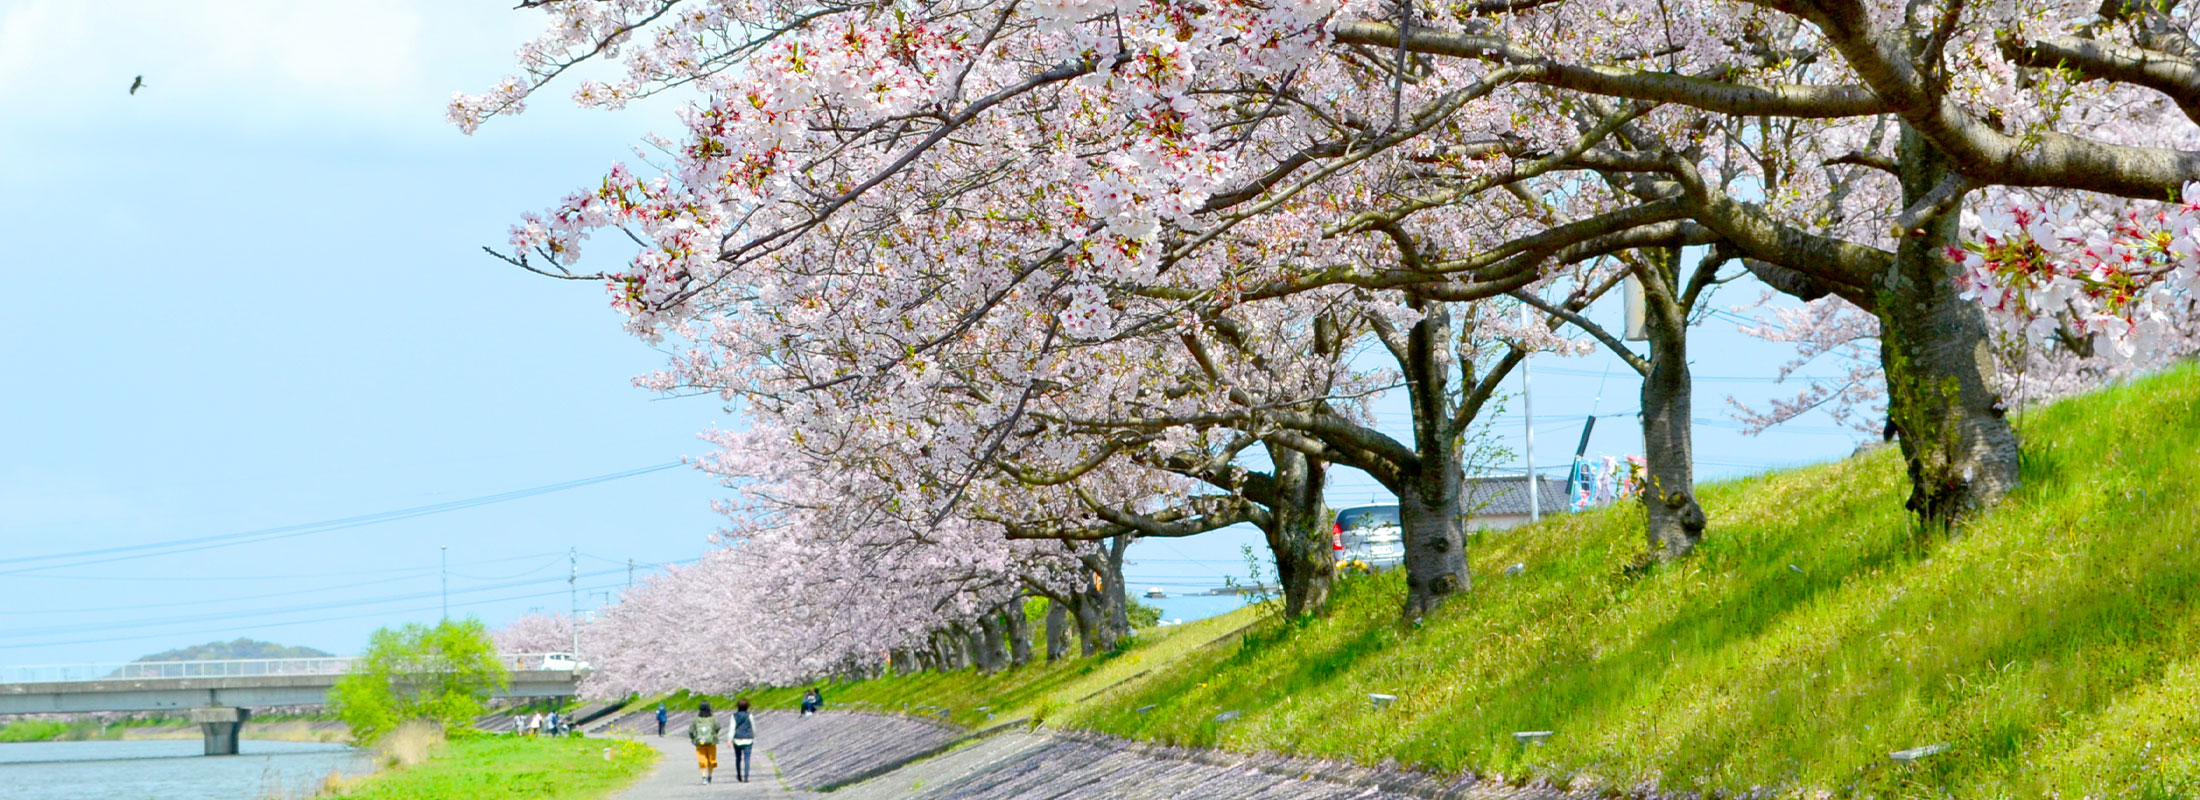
(2053, 645)
(488, 767)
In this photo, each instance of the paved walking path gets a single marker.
(908, 758)
(793, 754)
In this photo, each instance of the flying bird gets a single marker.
(137, 84)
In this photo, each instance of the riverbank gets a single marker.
(272, 730)
(1817, 644)
(494, 767)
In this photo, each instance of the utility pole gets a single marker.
(573, 584)
(446, 583)
(630, 573)
(1527, 407)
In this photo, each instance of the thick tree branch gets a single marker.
(1813, 102)
(2099, 60)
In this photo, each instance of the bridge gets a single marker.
(219, 695)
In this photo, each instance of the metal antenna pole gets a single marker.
(573, 582)
(1527, 407)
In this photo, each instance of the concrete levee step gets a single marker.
(1078, 766)
(817, 751)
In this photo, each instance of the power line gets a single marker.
(174, 546)
(234, 628)
(273, 576)
(228, 615)
(289, 593)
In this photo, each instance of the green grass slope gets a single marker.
(482, 767)
(2054, 645)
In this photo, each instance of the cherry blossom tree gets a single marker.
(803, 207)
(1674, 522)
(536, 633)
(890, 201)
(2058, 98)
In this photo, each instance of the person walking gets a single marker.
(744, 737)
(519, 724)
(534, 724)
(661, 719)
(703, 733)
(553, 723)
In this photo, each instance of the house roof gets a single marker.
(1508, 494)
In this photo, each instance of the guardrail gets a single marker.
(222, 668)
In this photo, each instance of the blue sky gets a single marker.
(252, 296)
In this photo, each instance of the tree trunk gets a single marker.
(1672, 519)
(1057, 630)
(980, 655)
(960, 649)
(942, 654)
(1086, 611)
(1099, 604)
(992, 646)
(1297, 533)
(1429, 493)
(1118, 596)
(905, 661)
(1019, 633)
(1935, 349)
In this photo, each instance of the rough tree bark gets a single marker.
(1116, 596)
(1673, 521)
(974, 643)
(1935, 350)
(1085, 610)
(947, 649)
(991, 645)
(1019, 633)
(1430, 493)
(1102, 608)
(1057, 630)
(1305, 559)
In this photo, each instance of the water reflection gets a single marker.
(170, 769)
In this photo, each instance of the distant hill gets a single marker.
(241, 648)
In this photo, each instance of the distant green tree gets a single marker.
(439, 673)
(1142, 615)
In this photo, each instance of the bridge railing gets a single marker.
(220, 668)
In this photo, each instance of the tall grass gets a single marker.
(413, 742)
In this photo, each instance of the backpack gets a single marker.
(704, 730)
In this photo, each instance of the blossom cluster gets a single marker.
(2123, 284)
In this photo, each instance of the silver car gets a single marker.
(1371, 535)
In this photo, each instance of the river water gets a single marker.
(1188, 607)
(171, 770)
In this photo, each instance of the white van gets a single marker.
(561, 662)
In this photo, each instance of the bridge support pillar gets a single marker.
(221, 725)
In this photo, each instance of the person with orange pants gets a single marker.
(703, 733)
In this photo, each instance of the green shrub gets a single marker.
(440, 674)
(35, 730)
